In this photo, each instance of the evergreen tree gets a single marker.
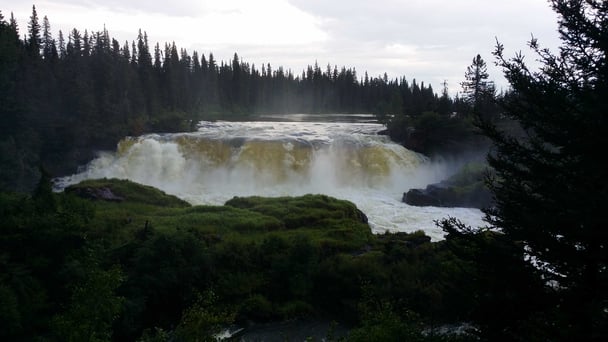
(86, 44)
(133, 54)
(9, 60)
(551, 191)
(61, 45)
(73, 49)
(34, 39)
(157, 57)
(13, 25)
(144, 58)
(43, 194)
(49, 50)
(445, 103)
(477, 90)
(126, 54)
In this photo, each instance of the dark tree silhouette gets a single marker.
(34, 40)
(551, 191)
(478, 91)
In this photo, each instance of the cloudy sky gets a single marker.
(429, 40)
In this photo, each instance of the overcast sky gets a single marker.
(429, 40)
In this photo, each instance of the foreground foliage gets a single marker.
(86, 269)
(550, 191)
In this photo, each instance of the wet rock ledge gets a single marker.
(465, 189)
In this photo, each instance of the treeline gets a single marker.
(63, 98)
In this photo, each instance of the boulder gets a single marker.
(102, 193)
(420, 198)
(443, 194)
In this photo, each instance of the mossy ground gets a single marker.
(322, 219)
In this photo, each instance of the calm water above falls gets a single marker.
(347, 160)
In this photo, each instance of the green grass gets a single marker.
(326, 221)
(303, 211)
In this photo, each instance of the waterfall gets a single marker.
(226, 159)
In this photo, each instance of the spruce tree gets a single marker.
(444, 102)
(49, 50)
(13, 25)
(157, 57)
(551, 186)
(144, 58)
(34, 39)
(61, 43)
(9, 60)
(73, 49)
(478, 91)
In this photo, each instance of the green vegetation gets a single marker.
(470, 181)
(470, 173)
(433, 134)
(154, 267)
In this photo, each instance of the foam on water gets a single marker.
(226, 159)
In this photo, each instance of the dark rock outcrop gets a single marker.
(122, 190)
(465, 189)
(421, 197)
(443, 194)
(103, 193)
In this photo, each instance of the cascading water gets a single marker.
(226, 159)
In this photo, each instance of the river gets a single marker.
(285, 155)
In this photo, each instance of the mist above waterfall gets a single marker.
(226, 159)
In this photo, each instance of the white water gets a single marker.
(226, 159)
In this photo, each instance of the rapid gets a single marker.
(298, 155)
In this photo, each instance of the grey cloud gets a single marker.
(449, 23)
(446, 34)
(176, 8)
